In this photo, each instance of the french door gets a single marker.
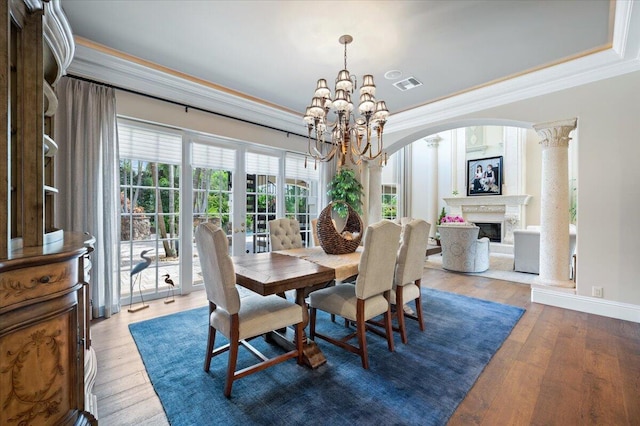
(171, 181)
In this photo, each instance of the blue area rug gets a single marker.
(421, 383)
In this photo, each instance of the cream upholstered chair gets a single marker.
(408, 272)
(526, 249)
(366, 299)
(239, 320)
(462, 251)
(285, 234)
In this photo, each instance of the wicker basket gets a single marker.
(331, 240)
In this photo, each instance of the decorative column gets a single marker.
(364, 180)
(554, 216)
(375, 192)
(431, 189)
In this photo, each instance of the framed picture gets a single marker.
(484, 176)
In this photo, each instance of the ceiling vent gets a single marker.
(407, 83)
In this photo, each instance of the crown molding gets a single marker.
(58, 35)
(117, 70)
(622, 56)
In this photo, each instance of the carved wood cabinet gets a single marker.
(44, 334)
(47, 365)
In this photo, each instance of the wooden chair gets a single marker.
(240, 320)
(408, 273)
(366, 299)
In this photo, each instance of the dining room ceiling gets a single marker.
(276, 50)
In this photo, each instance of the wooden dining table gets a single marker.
(302, 270)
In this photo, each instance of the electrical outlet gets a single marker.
(596, 291)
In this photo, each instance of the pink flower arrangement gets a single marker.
(452, 219)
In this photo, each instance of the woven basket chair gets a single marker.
(331, 240)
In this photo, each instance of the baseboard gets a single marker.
(590, 305)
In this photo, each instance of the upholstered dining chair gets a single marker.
(285, 234)
(240, 320)
(366, 299)
(408, 273)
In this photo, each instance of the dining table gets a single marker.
(303, 270)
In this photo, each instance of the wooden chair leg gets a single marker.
(210, 342)
(312, 323)
(234, 343)
(389, 328)
(211, 339)
(400, 314)
(419, 307)
(361, 329)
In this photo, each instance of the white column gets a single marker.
(554, 202)
(375, 192)
(364, 180)
(431, 185)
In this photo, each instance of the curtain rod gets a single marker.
(186, 106)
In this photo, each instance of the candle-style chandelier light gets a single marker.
(349, 136)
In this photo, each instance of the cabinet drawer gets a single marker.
(31, 283)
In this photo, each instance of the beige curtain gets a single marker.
(87, 170)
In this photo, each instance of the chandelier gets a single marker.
(349, 137)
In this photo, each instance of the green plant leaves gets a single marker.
(346, 187)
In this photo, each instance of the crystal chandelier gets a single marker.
(349, 136)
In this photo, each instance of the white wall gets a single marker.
(608, 173)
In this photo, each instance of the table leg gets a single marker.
(312, 355)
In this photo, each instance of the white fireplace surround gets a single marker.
(505, 209)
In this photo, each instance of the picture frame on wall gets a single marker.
(484, 176)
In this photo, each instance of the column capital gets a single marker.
(555, 133)
(432, 141)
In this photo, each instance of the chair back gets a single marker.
(413, 247)
(218, 271)
(458, 239)
(285, 234)
(378, 259)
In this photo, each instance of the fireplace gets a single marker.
(503, 211)
(491, 230)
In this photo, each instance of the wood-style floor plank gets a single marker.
(556, 367)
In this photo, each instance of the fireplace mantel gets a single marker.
(505, 209)
(489, 200)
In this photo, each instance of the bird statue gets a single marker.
(139, 267)
(169, 281)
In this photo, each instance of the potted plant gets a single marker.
(346, 187)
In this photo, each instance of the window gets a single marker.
(301, 194)
(390, 186)
(172, 180)
(389, 202)
(150, 160)
(212, 177)
(262, 185)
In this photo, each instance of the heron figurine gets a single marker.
(139, 267)
(169, 281)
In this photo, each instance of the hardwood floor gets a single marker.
(558, 367)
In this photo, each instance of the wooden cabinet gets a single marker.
(47, 365)
(44, 334)
(37, 46)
